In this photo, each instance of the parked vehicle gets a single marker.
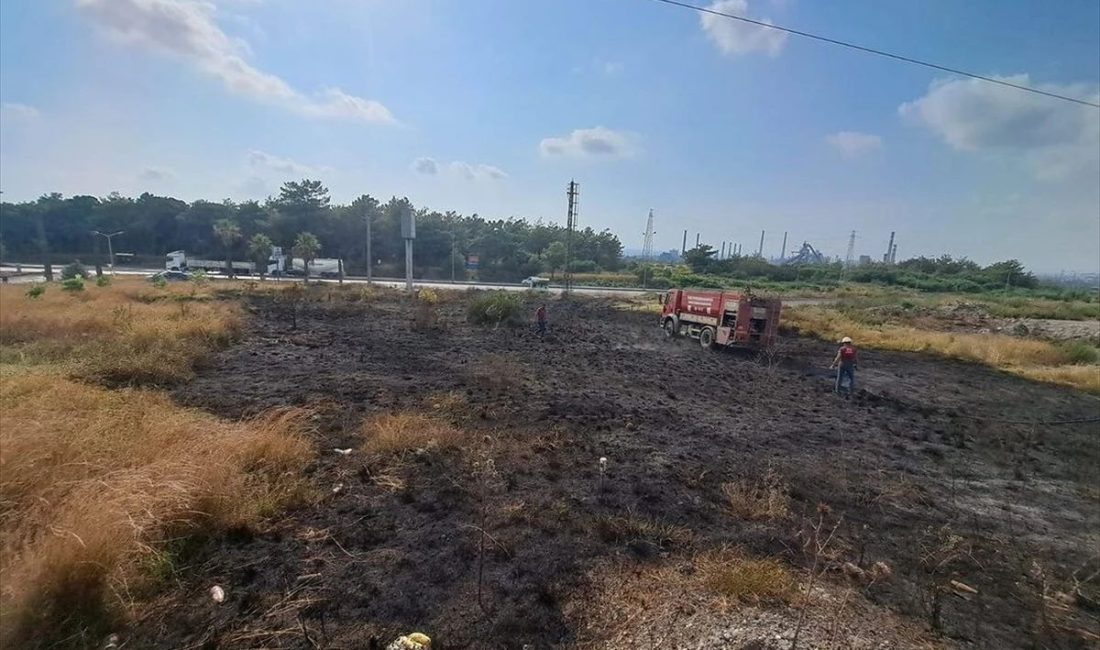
(322, 267)
(170, 276)
(535, 282)
(718, 318)
(179, 261)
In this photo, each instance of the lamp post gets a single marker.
(110, 247)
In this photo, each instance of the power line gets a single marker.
(870, 50)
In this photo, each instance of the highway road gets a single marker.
(397, 283)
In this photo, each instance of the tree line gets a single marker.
(943, 273)
(55, 228)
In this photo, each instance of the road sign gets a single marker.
(472, 262)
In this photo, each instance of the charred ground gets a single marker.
(925, 471)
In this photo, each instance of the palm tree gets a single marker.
(306, 247)
(228, 233)
(260, 249)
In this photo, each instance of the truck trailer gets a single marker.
(719, 318)
(278, 264)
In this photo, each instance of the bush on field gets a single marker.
(496, 308)
(74, 270)
(73, 284)
(1081, 352)
(36, 291)
(103, 281)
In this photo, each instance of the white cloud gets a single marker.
(1056, 139)
(261, 161)
(17, 111)
(476, 172)
(853, 143)
(596, 143)
(425, 166)
(187, 30)
(734, 37)
(459, 168)
(156, 175)
(335, 103)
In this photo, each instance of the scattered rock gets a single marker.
(217, 594)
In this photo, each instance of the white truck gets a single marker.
(277, 264)
(322, 267)
(179, 261)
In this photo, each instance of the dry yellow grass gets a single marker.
(401, 432)
(633, 527)
(95, 482)
(98, 487)
(743, 579)
(1038, 360)
(126, 333)
(762, 499)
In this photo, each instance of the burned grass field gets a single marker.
(605, 487)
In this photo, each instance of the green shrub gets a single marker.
(36, 291)
(74, 284)
(159, 282)
(495, 308)
(1081, 352)
(74, 270)
(103, 281)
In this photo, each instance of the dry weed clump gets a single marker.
(126, 333)
(403, 432)
(1034, 359)
(633, 527)
(743, 579)
(762, 499)
(97, 485)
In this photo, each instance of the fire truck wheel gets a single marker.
(706, 337)
(670, 328)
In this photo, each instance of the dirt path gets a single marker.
(920, 468)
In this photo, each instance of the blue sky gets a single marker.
(491, 106)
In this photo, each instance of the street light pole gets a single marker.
(110, 248)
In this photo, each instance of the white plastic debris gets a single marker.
(218, 594)
(342, 452)
(414, 641)
(603, 464)
(338, 488)
(112, 642)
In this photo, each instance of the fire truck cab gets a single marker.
(718, 318)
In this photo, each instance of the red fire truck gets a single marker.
(721, 318)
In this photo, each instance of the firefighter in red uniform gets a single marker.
(845, 363)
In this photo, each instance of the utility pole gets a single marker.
(684, 246)
(888, 257)
(370, 262)
(722, 254)
(760, 250)
(408, 233)
(851, 250)
(110, 247)
(697, 240)
(783, 251)
(571, 194)
(647, 249)
(452, 256)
